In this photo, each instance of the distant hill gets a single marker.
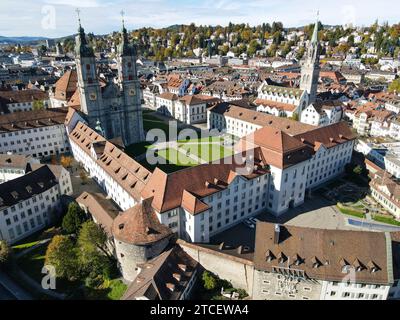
(24, 40)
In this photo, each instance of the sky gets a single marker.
(57, 18)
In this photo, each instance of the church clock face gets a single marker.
(132, 92)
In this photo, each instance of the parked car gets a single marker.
(253, 220)
(248, 224)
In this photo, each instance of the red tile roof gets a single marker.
(139, 225)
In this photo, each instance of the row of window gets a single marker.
(23, 132)
(16, 232)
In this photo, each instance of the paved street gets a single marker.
(9, 290)
(5, 294)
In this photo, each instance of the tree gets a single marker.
(357, 170)
(209, 280)
(94, 258)
(93, 238)
(295, 116)
(5, 253)
(66, 161)
(83, 175)
(300, 53)
(74, 218)
(395, 86)
(254, 46)
(62, 255)
(38, 105)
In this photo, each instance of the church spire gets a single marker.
(82, 47)
(125, 49)
(314, 38)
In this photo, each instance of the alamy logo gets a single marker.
(49, 17)
(49, 280)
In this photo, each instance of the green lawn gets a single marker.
(137, 149)
(386, 219)
(176, 157)
(21, 247)
(32, 262)
(110, 290)
(206, 139)
(350, 211)
(207, 152)
(174, 161)
(118, 289)
(152, 122)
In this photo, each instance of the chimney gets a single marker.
(277, 231)
(240, 250)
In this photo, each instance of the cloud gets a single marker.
(102, 16)
(75, 3)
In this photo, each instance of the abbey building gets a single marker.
(115, 109)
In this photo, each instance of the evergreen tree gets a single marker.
(74, 218)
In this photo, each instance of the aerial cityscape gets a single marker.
(236, 159)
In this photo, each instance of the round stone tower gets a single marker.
(138, 237)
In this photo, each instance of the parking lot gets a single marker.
(314, 213)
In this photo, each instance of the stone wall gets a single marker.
(129, 256)
(236, 270)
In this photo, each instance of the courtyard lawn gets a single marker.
(206, 139)
(176, 157)
(175, 161)
(137, 149)
(207, 152)
(150, 121)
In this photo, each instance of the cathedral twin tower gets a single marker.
(114, 110)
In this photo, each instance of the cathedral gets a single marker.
(114, 110)
(310, 67)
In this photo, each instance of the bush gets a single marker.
(94, 281)
(350, 211)
(209, 280)
(242, 293)
(358, 170)
(5, 253)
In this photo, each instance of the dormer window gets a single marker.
(171, 286)
(297, 260)
(315, 262)
(269, 256)
(183, 267)
(281, 257)
(177, 276)
(372, 267)
(357, 265)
